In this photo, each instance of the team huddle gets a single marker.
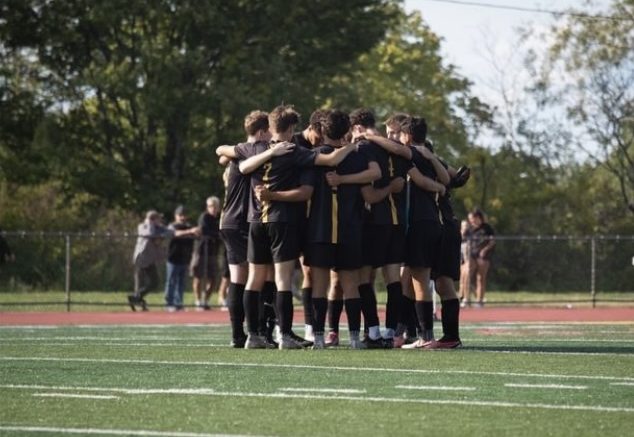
(346, 201)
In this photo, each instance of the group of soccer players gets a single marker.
(346, 201)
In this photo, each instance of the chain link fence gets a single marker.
(76, 262)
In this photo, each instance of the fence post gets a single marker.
(593, 271)
(67, 280)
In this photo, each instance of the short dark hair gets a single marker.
(336, 124)
(255, 121)
(363, 117)
(396, 118)
(317, 118)
(416, 127)
(477, 212)
(283, 117)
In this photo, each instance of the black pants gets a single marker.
(145, 280)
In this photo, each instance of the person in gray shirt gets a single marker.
(147, 253)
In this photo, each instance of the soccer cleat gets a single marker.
(398, 341)
(288, 342)
(332, 339)
(374, 344)
(302, 341)
(319, 342)
(418, 344)
(444, 344)
(308, 333)
(238, 343)
(255, 342)
(355, 343)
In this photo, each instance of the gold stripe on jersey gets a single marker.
(308, 205)
(266, 205)
(438, 206)
(334, 223)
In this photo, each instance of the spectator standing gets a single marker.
(482, 244)
(204, 268)
(179, 255)
(147, 253)
(466, 270)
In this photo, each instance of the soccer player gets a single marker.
(429, 178)
(377, 224)
(309, 138)
(273, 234)
(234, 227)
(335, 230)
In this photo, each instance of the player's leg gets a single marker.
(335, 308)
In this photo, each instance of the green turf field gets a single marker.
(509, 379)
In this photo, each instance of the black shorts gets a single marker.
(376, 239)
(423, 243)
(320, 255)
(302, 234)
(272, 243)
(396, 246)
(448, 261)
(236, 242)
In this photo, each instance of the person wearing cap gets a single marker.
(179, 253)
(147, 253)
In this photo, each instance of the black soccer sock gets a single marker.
(307, 296)
(320, 305)
(335, 308)
(425, 313)
(285, 311)
(353, 312)
(251, 310)
(368, 305)
(267, 308)
(450, 313)
(407, 315)
(235, 304)
(392, 307)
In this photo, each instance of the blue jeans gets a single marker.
(176, 276)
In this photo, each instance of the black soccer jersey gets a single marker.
(236, 205)
(281, 173)
(300, 140)
(398, 167)
(307, 175)
(380, 212)
(244, 151)
(422, 203)
(334, 212)
(444, 203)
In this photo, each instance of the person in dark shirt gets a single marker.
(335, 230)
(377, 222)
(309, 138)
(482, 245)
(273, 235)
(179, 254)
(234, 227)
(204, 264)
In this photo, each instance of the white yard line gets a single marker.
(73, 395)
(312, 367)
(323, 390)
(434, 387)
(548, 386)
(629, 384)
(98, 431)
(211, 392)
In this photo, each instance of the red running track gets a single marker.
(159, 317)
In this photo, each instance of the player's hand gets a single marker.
(333, 179)
(196, 232)
(442, 190)
(282, 148)
(262, 193)
(397, 185)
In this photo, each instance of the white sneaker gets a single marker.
(418, 344)
(308, 333)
